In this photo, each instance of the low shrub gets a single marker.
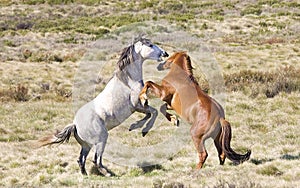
(269, 83)
(17, 93)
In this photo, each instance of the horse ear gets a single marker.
(139, 37)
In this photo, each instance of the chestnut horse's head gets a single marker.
(181, 59)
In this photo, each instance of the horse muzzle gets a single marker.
(165, 54)
(160, 66)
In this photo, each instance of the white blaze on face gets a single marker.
(138, 47)
(148, 51)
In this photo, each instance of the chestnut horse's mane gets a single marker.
(189, 69)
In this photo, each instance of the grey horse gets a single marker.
(118, 100)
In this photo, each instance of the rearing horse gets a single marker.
(118, 100)
(182, 93)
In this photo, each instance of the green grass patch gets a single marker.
(268, 2)
(98, 26)
(251, 9)
(177, 17)
(270, 170)
(59, 2)
(217, 14)
(45, 179)
(259, 127)
(134, 172)
(9, 43)
(67, 182)
(15, 165)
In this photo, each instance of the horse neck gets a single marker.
(135, 68)
(181, 76)
(132, 74)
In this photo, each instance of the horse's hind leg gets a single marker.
(218, 144)
(82, 158)
(98, 155)
(85, 149)
(199, 138)
(202, 153)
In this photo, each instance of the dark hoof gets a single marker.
(83, 172)
(82, 169)
(177, 123)
(144, 133)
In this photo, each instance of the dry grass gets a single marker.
(45, 44)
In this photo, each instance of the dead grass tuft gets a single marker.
(161, 183)
(272, 40)
(17, 93)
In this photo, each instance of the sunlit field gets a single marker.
(248, 51)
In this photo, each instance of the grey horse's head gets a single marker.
(144, 49)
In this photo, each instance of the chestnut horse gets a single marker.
(182, 93)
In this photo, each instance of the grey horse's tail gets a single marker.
(59, 137)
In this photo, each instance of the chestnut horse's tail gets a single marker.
(229, 153)
(58, 137)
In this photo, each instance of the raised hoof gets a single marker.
(175, 120)
(144, 133)
(144, 99)
(133, 126)
(177, 123)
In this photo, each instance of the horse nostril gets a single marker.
(166, 54)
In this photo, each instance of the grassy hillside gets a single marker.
(47, 47)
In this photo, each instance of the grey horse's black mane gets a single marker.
(126, 56)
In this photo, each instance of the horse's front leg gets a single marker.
(140, 123)
(150, 113)
(155, 90)
(150, 123)
(152, 88)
